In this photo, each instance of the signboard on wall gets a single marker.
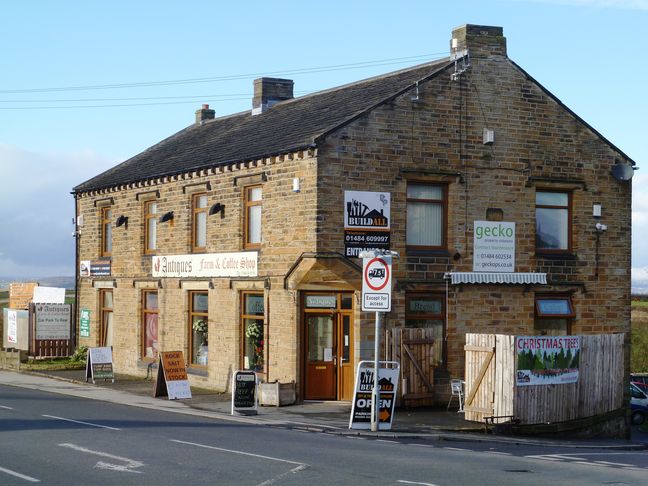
(84, 323)
(361, 407)
(494, 246)
(52, 321)
(547, 360)
(366, 221)
(241, 264)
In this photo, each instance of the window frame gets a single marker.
(538, 315)
(103, 311)
(247, 204)
(444, 211)
(106, 222)
(569, 220)
(195, 211)
(144, 312)
(431, 295)
(243, 316)
(191, 313)
(148, 217)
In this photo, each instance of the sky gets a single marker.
(85, 85)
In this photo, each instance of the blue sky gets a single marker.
(56, 132)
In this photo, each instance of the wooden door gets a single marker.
(321, 357)
(346, 378)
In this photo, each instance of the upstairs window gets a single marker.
(106, 232)
(426, 216)
(150, 226)
(252, 223)
(553, 221)
(199, 218)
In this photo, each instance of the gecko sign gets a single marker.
(376, 283)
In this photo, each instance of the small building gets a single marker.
(236, 239)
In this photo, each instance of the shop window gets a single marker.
(150, 320)
(198, 328)
(553, 315)
(252, 331)
(199, 218)
(252, 223)
(150, 226)
(106, 316)
(427, 311)
(426, 216)
(553, 221)
(106, 232)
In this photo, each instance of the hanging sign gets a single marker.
(547, 360)
(366, 221)
(244, 393)
(99, 365)
(172, 380)
(388, 383)
(376, 283)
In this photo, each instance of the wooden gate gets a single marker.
(418, 351)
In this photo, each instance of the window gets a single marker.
(553, 221)
(106, 232)
(252, 332)
(198, 328)
(252, 223)
(150, 226)
(428, 311)
(426, 216)
(553, 315)
(106, 313)
(150, 324)
(199, 218)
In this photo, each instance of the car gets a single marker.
(641, 380)
(638, 404)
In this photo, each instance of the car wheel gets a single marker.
(637, 418)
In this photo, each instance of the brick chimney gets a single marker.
(204, 114)
(479, 40)
(270, 91)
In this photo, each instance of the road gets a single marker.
(56, 439)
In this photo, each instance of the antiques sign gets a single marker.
(366, 221)
(52, 321)
(242, 264)
(547, 360)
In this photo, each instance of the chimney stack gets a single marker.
(479, 40)
(270, 91)
(204, 114)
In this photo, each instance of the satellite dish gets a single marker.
(622, 172)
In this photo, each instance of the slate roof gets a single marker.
(287, 126)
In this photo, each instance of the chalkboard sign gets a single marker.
(99, 364)
(244, 393)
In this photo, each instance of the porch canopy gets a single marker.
(496, 278)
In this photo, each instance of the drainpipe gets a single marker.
(77, 264)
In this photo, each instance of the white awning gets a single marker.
(496, 278)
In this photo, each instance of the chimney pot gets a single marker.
(204, 114)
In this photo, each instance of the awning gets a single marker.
(496, 278)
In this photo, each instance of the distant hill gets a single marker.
(65, 282)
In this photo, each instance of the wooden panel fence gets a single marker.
(491, 391)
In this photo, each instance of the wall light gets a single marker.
(166, 217)
(217, 208)
(122, 221)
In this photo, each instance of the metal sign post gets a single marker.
(375, 394)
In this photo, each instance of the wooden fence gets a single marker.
(491, 392)
(418, 350)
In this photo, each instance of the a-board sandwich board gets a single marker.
(99, 364)
(245, 398)
(388, 373)
(172, 380)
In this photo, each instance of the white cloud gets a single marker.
(36, 209)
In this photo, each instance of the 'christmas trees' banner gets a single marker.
(547, 360)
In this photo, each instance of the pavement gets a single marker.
(316, 416)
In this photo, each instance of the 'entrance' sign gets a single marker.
(172, 379)
(388, 382)
(99, 365)
(244, 393)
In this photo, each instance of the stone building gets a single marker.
(232, 241)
